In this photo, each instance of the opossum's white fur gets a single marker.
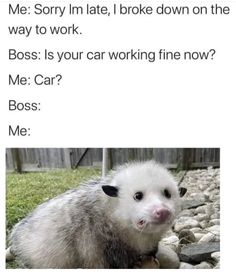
(85, 228)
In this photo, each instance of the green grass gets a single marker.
(26, 191)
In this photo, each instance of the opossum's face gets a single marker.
(146, 197)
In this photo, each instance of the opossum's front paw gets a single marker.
(147, 262)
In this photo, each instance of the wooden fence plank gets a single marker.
(52, 158)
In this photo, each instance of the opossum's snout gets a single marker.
(158, 216)
(161, 215)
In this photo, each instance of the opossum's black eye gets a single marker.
(167, 193)
(138, 196)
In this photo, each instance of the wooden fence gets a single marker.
(42, 159)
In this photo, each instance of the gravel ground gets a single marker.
(194, 241)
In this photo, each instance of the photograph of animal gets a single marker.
(110, 222)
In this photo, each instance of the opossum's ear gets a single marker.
(182, 191)
(110, 190)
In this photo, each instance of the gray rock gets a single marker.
(215, 192)
(206, 196)
(215, 216)
(186, 236)
(214, 229)
(201, 217)
(196, 253)
(172, 242)
(214, 222)
(188, 204)
(184, 265)
(196, 230)
(204, 224)
(167, 258)
(185, 222)
(216, 256)
(186, 213)
(200, 209)
(217, 206)
(212, 187)
(209, 237)
(202, 187)
(203, 265)
(198, 236)
(198, 197)
(214, 197)
(210, 209)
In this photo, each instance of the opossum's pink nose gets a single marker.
(161, 214)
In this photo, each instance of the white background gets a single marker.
(129, 104)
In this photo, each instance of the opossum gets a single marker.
(104, 223)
